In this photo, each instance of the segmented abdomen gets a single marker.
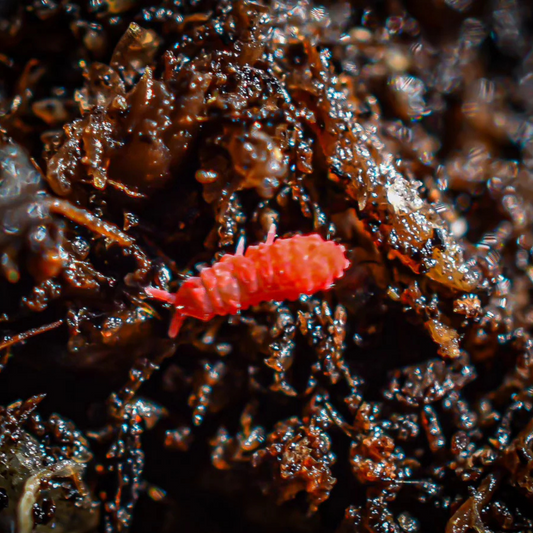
(298, 265)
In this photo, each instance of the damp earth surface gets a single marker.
(140, 141)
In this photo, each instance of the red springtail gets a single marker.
(276, 270)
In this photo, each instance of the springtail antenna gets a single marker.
(167, 297)
(175, 325)
(159, 294)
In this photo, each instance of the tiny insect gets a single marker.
(276, 270)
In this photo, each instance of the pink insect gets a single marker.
(277, 270)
